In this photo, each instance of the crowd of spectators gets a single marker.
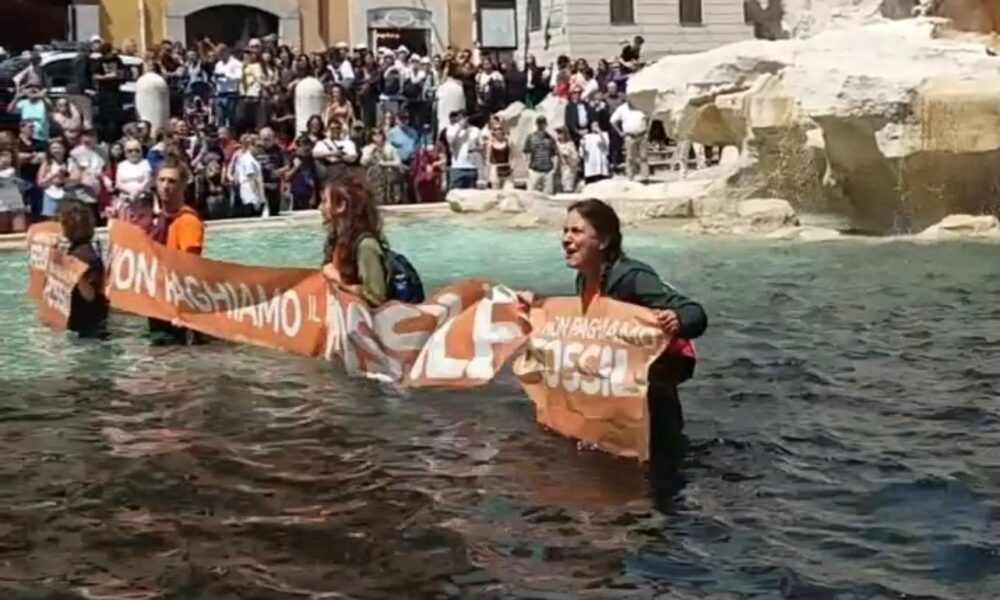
(233, 120)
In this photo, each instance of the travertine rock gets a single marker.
(895, 123)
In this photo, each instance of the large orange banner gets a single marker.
(587, 373)
(460, 337)
(281, 308)
(52, 274)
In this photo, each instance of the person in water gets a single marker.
(179, 228)
(88, 314)
(355, 245)
(592, 244)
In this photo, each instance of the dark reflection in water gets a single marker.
(843, 425)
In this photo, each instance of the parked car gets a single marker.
(58, 68)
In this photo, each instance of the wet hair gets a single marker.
(77, 222)
(360, 217)
(608, 226)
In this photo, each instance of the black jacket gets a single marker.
(573, 118)
(636, 282)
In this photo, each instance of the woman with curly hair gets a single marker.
(355, 244)
(88, 305)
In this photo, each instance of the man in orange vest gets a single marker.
(179, 228)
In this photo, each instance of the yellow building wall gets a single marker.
(120, 22)
(460, 23)
(338, 23)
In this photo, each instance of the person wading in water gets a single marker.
(592, 245)
(179, 228)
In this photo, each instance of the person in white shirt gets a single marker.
(133, 178)
(487, 77)
(631, 126)
(463, 139)
(342, 63)
(594, 152)
(227, 77)
(91, 168)
(246, 173)
(589, 85)
(335, 152)
(450, 99)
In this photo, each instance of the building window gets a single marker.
(690, 12)
(534, 15)
(622, 12)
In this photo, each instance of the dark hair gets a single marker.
(313, 119)
(360, 217)
(77, 222)
(145, 200)
(606, 223)
(177, 163)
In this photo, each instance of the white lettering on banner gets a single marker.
(223, 294)
(246, 306)
(195, 297)
(601, 329)
(39, 250)
(433, 361)
(291, 306)
(134, 272)
(57, 293)
(356, 324)
(486, 333)
(385, 322)
(571, 366)
(360, 330)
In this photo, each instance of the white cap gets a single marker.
(403, 50)
(361, 46)
(341, 45)
(414, 58)
(426, 60)
(95, 38)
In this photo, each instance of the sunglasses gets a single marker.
(133, 150)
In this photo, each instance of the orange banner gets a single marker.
(52, 274)
(275, 307)
(588, 373)
(460, 337)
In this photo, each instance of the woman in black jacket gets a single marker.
(592, 244)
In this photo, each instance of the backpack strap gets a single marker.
(363, 237)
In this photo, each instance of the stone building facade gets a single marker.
(595, 29)
(428, 25)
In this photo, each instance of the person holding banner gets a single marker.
(179, 228)
(353, 254)
(88, 305)
(592, 244)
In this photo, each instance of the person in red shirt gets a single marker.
(179, 228)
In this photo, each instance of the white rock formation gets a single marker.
(480, 201)
(750, 217)
(963, 226)
(893, 122)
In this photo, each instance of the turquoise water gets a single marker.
(843, 424)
